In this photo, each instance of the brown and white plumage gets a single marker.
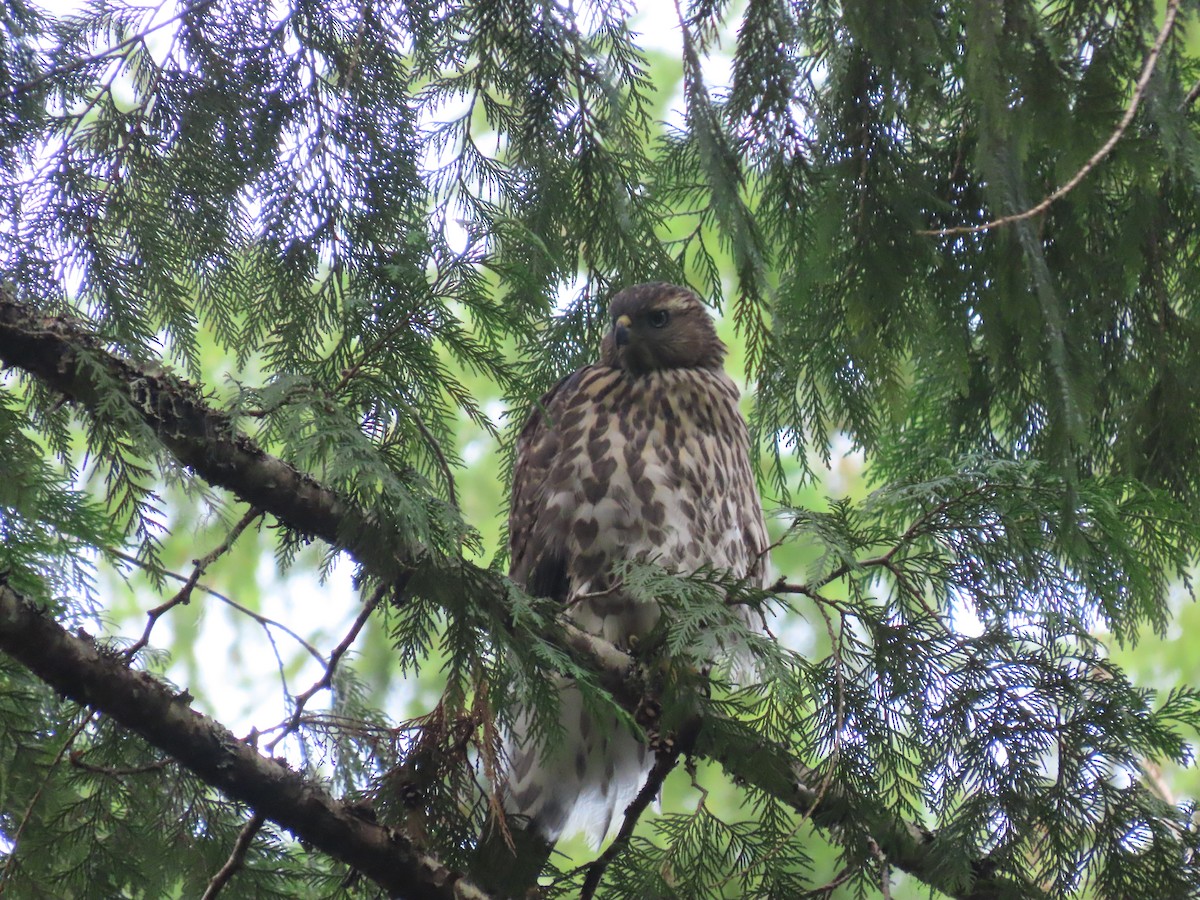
(641, 456)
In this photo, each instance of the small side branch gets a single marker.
(118, 772)
(77, 64)
(266, 622)
(237, 858)
(1096, 158)
(885, 560)
(184, 594)
(665, 761)
(326, 679)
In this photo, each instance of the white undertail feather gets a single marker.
(581, 783)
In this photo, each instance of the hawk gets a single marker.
(642, 456)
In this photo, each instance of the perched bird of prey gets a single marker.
(642, 456)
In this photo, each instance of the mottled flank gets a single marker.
(642, 456)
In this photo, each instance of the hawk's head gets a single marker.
(660, 326)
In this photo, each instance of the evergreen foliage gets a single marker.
(358, 229)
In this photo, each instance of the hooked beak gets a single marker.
(621, 330)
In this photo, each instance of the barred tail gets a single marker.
(582, 781)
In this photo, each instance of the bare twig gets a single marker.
(665, 761)
(265, 621)
(326, 679)
(783, 586)
(76, 64)
(15, 839)
(185, 593)
(237, 858)
(1096, 158)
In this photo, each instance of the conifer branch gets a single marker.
(204, 439)
(14, 839)
(1096, 158)
(75, 65)
(907, 846)
(281, 188)
(68, 359)
(79, 668)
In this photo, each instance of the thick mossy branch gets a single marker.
(77, 667)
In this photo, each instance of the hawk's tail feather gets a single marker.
(580, 783)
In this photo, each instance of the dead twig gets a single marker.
(326, 679)
(265, 621)
(184, 595)
(237, 858)
(1096, 158)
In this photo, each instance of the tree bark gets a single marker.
(79, 668)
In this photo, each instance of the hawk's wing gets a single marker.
(538, 565)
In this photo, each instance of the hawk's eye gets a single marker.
(658, 318)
